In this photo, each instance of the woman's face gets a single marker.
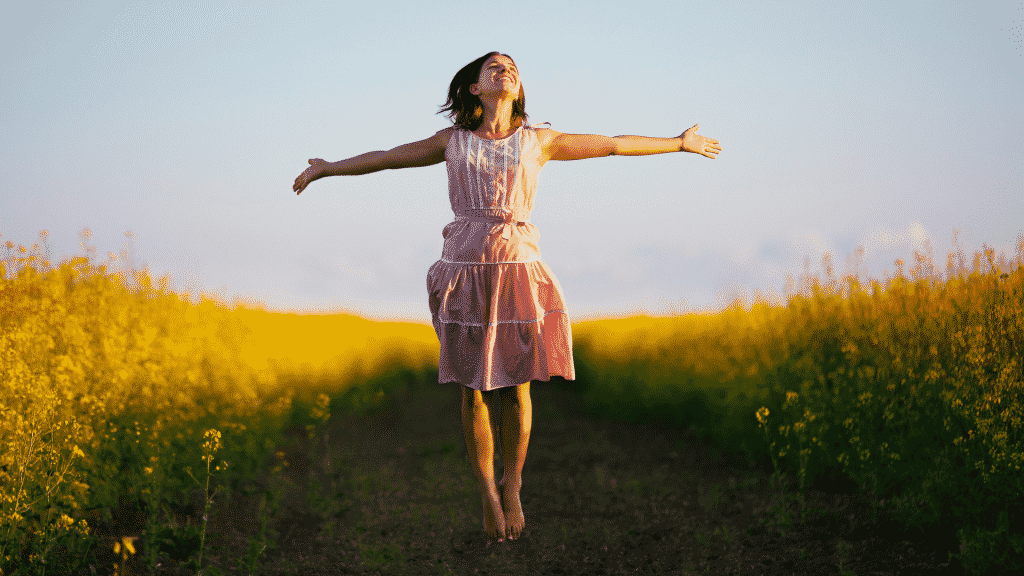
(498, 76)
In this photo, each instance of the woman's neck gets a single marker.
(497, 121)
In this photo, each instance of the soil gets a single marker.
(393, 493)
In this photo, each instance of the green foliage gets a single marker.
(179, 543)
(698, 372)
(984, 551)
(918, 392)
(912, 391)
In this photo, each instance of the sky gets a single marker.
(884, 125)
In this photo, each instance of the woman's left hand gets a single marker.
(314, 172)
(693, 142)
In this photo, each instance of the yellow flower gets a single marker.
(212, 444)
(65, 521)
(762, 415)
(791, 397)
(320, 410)
(147, 470)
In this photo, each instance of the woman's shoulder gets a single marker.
(543, 134)
(444, 135)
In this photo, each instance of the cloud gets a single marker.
(883, 248)
(813, 245)
(914, 237)
(880, 239)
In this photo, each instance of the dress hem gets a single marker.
(548, 379)
(497, 322)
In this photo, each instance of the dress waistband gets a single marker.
(502, 218)
(506, 215)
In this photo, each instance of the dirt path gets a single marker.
(394, 494)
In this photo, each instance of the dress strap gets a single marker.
(531, 127)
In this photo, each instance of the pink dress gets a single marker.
(497, 309)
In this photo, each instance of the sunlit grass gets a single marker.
(329, 345)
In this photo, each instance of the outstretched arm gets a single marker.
(421, 153)
(558, 146)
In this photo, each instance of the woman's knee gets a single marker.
(516, 395)
(476, 399)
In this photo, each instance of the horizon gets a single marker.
(120, 263)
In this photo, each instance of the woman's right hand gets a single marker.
(314, 172)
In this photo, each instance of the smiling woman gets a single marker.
(465, 108)
(497, 309)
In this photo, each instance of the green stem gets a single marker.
(206, 515)
(803, 462)
(771, 450)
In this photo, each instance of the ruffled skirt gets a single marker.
(499, 324)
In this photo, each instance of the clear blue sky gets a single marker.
(879, 124)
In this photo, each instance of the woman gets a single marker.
(497, 309)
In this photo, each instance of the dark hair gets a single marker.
(464, 108)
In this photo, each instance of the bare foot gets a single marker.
(494, 519)
(514, 521)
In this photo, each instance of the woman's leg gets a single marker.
(516, 421)
(477, 408)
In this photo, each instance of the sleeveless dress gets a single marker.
(497, 309)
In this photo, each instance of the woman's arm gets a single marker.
(422, 153)
(559, 146)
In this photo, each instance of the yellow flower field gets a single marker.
(115, 389)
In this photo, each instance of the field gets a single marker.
(144, 432)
